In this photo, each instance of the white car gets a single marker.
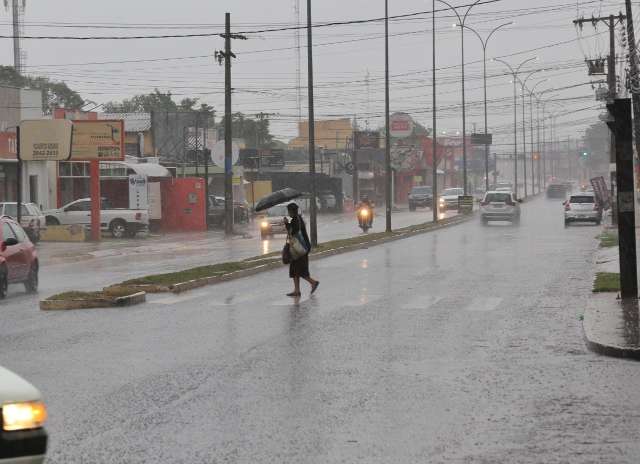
(23, 439)
(31, 218)
(499, 206)
(582, 207)
(120, 222)
(448, 198)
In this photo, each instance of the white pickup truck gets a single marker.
(120, 222)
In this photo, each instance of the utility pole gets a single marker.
(610, 21)
(434, 162)
(226, 56)
(635, 84)
(313, 224)
(620, 124)
(387, 147)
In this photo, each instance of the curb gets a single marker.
(60, 305)
(598, 326)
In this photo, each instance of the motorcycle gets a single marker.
(365, 218)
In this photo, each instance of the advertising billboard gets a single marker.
(45, 140)
(101, 140)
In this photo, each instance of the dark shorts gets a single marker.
(299, 267)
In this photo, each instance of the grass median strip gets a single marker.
(168, 281)
(606, 282)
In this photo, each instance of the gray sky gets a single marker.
(266, 80)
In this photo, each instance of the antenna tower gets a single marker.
(17, 8)
(297, 31)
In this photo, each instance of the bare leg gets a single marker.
(296, 284)
(314, 283)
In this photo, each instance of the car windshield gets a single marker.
(421, 190)
(277, 211)
(582, 199)
(11, 209)
(498, 198)
(453, 191)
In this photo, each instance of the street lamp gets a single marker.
(524, 128)
(514, 74)
(461, 21)
(533, 178)
(484, 43)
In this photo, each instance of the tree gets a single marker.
(54, 94)
(144, 103)
(255, 132)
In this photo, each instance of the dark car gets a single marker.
(420, 196)
(217, 212)
(18, 257)
(558, 190)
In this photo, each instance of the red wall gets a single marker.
(183, 204)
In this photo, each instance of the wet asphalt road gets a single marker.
(91, 266)
(459, 346)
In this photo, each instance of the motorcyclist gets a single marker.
(365, 203)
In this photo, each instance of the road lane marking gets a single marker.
(422, 302)
(483, 304)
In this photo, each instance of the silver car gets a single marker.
(31, 218)
(448, 199)
(582, 207)
(500, 206)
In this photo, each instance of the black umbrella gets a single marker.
(277, 197)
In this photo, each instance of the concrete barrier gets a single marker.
(73, 233)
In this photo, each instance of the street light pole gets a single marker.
(312, 134)
(533, 178)
(484, 43)
(514, 75)
(461, 21)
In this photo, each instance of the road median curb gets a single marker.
(266, 264)
(92, 303)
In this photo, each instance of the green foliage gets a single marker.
(54, 94)
(606, 282)
(255, 132)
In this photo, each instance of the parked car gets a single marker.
(271, 223)
(499, 206)
(23, 439)
(557, 190)
(420, 196)
(18, 257)
(448, 199)
(582, 207)
(31, 218)
(217, 212)
(120, 222)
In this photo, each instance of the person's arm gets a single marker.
(303, 228)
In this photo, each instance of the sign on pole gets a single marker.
(481, 139)
(45, 140)
(217, 154)
(138, 191)
(400, 125)
(101, 140)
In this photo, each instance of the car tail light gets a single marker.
(510, 202)
(567, 206)
(484, 203)
(138, 216)
(596, 207)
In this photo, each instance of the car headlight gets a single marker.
(364, 213)
(264, 224)
(23, 416)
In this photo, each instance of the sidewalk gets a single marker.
(611, 325)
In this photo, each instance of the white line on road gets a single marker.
(484, 304)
